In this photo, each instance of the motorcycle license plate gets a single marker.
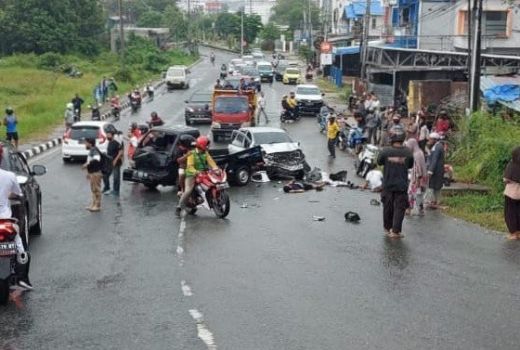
(222, 186)
(7, 248)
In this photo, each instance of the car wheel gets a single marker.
(38, 227)
(24, 229)
(4, 291)
(188, 121)
(151, 186)
(242, 176)
(66, 160)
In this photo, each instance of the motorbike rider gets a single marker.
(292, 103)
(149, 90)
(9, 188)
(186, 144)
(135, 96)
(212, 57)
(115, 104)
(95, 113)
(134, 135)
(198, 160)
(155, 120)
(218, 85)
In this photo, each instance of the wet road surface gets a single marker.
(269, 277)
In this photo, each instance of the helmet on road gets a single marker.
(202, 143)
(187, 141)
(397, 134)
(9, 110)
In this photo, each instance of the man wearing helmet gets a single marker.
(186, 144)
(134, 135)
(155, 120)
(396, 159)
(69, 115)
(11, 122)
(198, 160)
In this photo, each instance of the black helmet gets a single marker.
(9, 110)
(397, 134)
(187, 140)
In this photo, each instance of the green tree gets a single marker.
(150, 19)
(252, 27)
(290, 12)
(174, 19)
(270, 32)
(228, 24)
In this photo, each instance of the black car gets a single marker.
(198, 108)
(28, 209)
(280, 69)
(155, 159)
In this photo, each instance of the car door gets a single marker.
(237, 142)
(248, 140)
(20, 167)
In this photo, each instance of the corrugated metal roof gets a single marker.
(357, 9)
(489, 81)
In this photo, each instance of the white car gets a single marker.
(177, 77)
(73, 144)
(282, 156)
(310, 99)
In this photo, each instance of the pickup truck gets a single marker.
(155, 163)
(232, 110)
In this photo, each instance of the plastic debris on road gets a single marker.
(318, 218)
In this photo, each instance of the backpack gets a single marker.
(106, 162)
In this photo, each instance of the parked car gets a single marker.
(310, 99)
(28, 209)
(292, 76)
(155, 163)
(73, 144)
(177, 77)
(282, 156)
(198, 107)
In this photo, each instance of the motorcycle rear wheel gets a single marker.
(221, 205)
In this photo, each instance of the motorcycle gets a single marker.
(150, 92)
(309, 76)
(135, 104)
(367, 160)
(116, 112)
(289, 115)
(8, 255)
(356, 139)
(95, 114)
(210, 193)
(77, 116)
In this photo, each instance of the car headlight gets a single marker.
(189, 109)
(215, 125)
(245, 124)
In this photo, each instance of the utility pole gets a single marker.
(121, 33)
(364, 49)
(475, 62)
(189, 26)
(242, 31)
(469, 14)
(250, 7)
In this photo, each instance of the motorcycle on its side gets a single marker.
(367, 160)
(8, 254)
(211, 193)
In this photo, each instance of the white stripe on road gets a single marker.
(180, 239)
(202, 330)
(186, 289)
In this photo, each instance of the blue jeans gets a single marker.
(116, 184)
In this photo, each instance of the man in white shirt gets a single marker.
(374, 180)
(261, 106)
(9, 188)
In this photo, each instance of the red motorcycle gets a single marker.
(8, 251)
(210, 192)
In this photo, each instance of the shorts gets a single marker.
(181, 171)
(12, 136)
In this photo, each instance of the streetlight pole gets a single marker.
(242, 31)
(121, 33)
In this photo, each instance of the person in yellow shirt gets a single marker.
(293, 104)
(198, 160)
(333, 130)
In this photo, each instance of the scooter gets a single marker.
(150, 92)
(367, 159)
(288, 115)
(309, 76)
(356, 139)
(116, 112)
(95, 114)
(10, 268)
(210, 192)
(77, 116)
(135, 104)
(323, 116)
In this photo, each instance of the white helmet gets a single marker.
(70, 105)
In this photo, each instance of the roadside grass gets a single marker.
(484, 210)
(39, 96)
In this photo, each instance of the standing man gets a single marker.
(333, 130)
(396, 159)
(104, 88)
(11, 125)
(435, 168)
(115, 151)
(94, 175)
(76, 103)
(261, 104)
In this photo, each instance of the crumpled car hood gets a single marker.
(280, 147)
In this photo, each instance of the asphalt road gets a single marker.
(269, 277)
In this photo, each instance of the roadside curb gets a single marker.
(41, 148)
(36, 150)
(219, 48)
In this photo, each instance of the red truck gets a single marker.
(232, 110)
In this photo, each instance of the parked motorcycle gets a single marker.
(367, 160)
(7, 258)
(210, 193)
(356, 139)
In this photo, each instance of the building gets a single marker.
(354, 16)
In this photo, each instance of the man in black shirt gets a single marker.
(77, 102)
(396, 159)
(94, 175)
(115, 152)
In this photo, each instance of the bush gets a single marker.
(50, 61)
(124, 75)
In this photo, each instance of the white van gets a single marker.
(176, 77)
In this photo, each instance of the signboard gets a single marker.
(326, 59)
(325, 47)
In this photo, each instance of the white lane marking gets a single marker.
(202, 330)
(180, 240)
(186, 289)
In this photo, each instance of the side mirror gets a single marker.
(39, 170)
(22, 180)
(188, 71)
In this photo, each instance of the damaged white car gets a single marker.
(282, 156)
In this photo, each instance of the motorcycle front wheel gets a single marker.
(221, 205)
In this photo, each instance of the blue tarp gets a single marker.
(347, 50)
(502, 93)
(357, 9)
